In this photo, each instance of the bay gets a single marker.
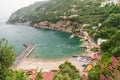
(51, 44)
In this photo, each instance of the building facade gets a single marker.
(116, 2)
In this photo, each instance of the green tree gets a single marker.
(94, 73)
(105, 33)
(67, 72)
(39, 76)
(19, 75)
(116, 51)
(6, 58)
(112, 21)
(112, 45)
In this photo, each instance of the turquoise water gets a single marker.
(51, 44)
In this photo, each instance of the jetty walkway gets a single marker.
(28, 49)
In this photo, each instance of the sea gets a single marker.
(51, 44)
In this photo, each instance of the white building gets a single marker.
(116, 2)
(110, 2)
(100, 41)
(72, 16)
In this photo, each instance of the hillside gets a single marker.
(84, 11)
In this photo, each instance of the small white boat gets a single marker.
(71, 36)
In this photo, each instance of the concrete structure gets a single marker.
(29, 48)
(72, 16)
(110, 2)
(100, 41)
(116, 2)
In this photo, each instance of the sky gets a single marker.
(7, 7)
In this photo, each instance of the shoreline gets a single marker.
(49, 28)
(57, 59)
(40, 64)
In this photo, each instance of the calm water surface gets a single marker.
(52, 44)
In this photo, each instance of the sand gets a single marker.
(47, 65)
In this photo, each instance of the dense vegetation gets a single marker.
(86, 11)
(67, 72)
(6, 60)
(110, 30)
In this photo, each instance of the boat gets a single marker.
(43, 44)
(82, 39)
(71, 36)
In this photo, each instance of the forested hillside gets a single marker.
(87, 11)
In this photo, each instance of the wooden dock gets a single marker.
(28, 49)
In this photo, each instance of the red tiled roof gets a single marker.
(48, 75)
(96, 46)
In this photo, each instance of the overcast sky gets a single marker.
(7, 7)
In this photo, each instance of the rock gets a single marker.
(61, 25)
(44, 23)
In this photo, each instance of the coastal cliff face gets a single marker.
(60, 25)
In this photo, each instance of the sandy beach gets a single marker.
(47, 65)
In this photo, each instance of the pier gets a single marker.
(28, 49)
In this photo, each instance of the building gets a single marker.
(100, 41)
(48, 75)
(116, 2)
(72, 16)
(110, 2)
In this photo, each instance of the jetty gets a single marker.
(85, 47)
(28, 49)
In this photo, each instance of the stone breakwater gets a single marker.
(28, 49)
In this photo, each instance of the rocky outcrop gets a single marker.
(44, 23)
(12, 18)
(66, 26)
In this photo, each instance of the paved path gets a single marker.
(28, 49)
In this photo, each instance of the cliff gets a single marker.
(66, 26)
